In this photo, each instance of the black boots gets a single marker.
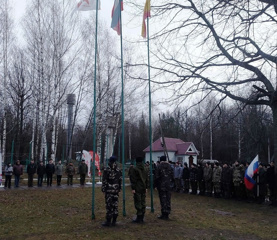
(114, 220)
(107, 223)
(164, 216)
(139, 219)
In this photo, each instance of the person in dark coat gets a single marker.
(163, 181)
(17, 171)
(185, 177)
(193, 178)
(261, 184)
(139, 183)
(70, 171)
(111, 186)
(83, 169)
(40, 173)
(31, 170)
(270, 178)
(50, 170)
(200, 179)
(226, 180)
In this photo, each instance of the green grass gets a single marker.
(66, 214)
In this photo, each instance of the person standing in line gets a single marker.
(217, 180)
(200, 179)
(40, 173)
(226, 180)
(17, 171)
(8, 175)
(59, 172)
(208, 173)
(139, 183)
(83, 169)
(163, 179)
(111, 186)
(186, 178)
(70, 171)
(193, 178)
(50, 170)
(177, 177)
(31, 170)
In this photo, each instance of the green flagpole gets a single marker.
(94, 117)
(122, 115)
(150, 122)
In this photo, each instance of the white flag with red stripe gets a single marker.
(88, 5)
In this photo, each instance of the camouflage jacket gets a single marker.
(164, 176)
(112, 178)
(139, 178)
(208, 173)
(238, 174)
(217, 174)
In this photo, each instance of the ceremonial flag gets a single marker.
(116, 15)
(146, 14)
(249, 173)
(88, 5)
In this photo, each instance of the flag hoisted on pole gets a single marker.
(144, 32)
(116, 16)
(249, 173)
(1, 170)
(87, 5)
(117, 26)
(146, 15)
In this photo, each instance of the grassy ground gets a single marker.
(66, 214)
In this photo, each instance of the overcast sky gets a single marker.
(131, 26)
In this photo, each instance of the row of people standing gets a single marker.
(41, 170)
(226, 181)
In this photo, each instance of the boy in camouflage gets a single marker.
(111, 186)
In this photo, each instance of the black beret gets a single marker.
(112, 159)
(163, 158)
(139, 159)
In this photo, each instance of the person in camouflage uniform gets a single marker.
(83, 169)
(208, 173)
(226, 180)
(139, 183)
(238, 176)
(111, 186)
(217, 179)
(163, 179)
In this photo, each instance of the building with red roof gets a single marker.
(178, 151)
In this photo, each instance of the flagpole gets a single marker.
(94, 117)
(122, 114)
(150, 116)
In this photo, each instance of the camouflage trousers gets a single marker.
(217, 187)
(111, 205)
(140, 204)
(165, 200)
(208, 186)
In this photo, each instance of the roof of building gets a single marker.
(173, 145)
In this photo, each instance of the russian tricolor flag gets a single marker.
(249, 173)
(118, 6)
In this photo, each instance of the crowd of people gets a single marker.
(226, 181)
(42, 170)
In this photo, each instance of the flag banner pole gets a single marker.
(1, 178)
(150, 122)
(122, 116)
(94, 117)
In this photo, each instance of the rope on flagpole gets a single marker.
(94, 116)
(122, 114)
